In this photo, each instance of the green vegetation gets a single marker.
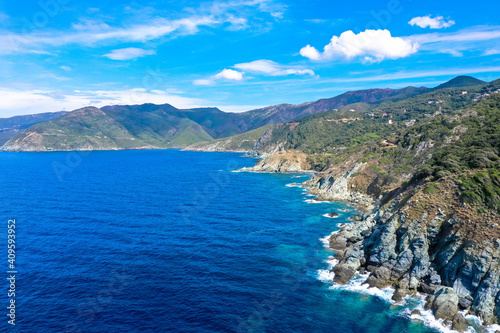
(473, 158)
(460, 81)
(241, 142)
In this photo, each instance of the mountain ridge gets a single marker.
(10, 127)
(159, 126)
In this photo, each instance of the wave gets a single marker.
(330, 217)
(358, 285)
(314, 201)
(326, 241)
(426, 316)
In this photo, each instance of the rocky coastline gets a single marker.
(416, 251)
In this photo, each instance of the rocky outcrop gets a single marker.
(334, 186)
(444, 303)
(432, 252)
(281, 161)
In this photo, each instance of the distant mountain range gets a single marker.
(10, 127)
(150, 126)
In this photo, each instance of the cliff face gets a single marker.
(335, 186)
(281, 161)
(420, 242)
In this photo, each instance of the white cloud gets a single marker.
(240, 108)
(405, 75)
(492, 52)
(229, 74)
(203, 82)
(16, 102)
(318, 21)
(128, 53)
(225, 74)
(372, 45)
(174, 91)
(478, 39)
(228, 15)
(310, 52)
(473, 34)
(437, 22)
(271, 68)
(66, 68)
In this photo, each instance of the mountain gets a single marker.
(460, 81)
(324, 132)
(10, 127)
(285, 112)
(164, 126)
(91, 128)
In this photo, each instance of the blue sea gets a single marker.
(172, 241)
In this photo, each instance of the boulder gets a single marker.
(460, 323)
(443, 303)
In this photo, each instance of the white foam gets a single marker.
(490, 328)
(314, 201)
(326, 240)
(330, 217)
(429, 320)
(325, 275)
(358, 285)
(293, 185)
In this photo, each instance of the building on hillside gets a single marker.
(410, 123)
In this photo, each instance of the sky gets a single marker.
(235, 55)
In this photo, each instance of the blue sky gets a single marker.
(236, 55)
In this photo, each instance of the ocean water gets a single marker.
(170, 241)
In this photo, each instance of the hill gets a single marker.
(91, 128)
(460, 81)
(285, 112)
(10, 127)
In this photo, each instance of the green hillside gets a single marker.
(460, 81)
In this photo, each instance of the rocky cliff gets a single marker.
(416, 245)
(282, 161)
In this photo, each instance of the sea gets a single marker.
(174, 241)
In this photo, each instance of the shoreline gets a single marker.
(416, 311)
(359, 281)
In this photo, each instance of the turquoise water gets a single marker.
(170, 241)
